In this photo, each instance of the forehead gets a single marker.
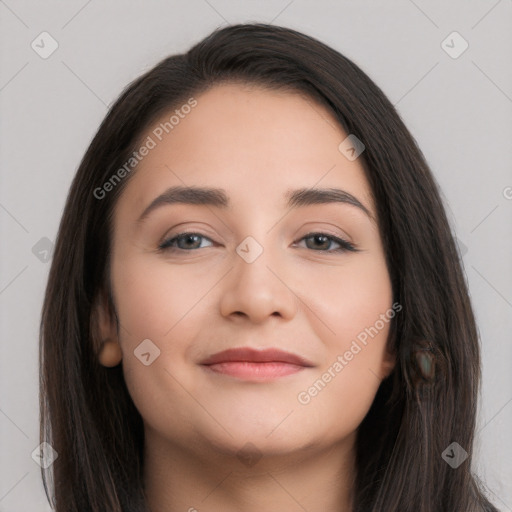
(254, 142)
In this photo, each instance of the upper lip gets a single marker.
(247, 354)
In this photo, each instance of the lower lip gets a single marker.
(255, 371)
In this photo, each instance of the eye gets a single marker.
(189, 241)
(323, 240)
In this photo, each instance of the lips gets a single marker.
(249, 355)
(248, 364)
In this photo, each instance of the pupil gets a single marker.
(321, 239)
(189, 239)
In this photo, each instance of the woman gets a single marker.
(316, 350)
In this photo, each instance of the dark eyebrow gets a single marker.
(189, 195)
(218, 198)
(310, 196)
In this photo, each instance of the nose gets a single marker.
(258, 290)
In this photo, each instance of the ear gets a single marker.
(388, 363)
(104, 331)
(389, 358)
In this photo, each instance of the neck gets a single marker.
(178, 478)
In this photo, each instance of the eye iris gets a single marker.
(188, 238)
(324, 240)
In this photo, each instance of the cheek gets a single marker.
(349, 299)
(156, 304)
(356, 305)
(151, 299)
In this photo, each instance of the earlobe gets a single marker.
(104, 333)
(388, 364)
(387, 368)
(110, 353)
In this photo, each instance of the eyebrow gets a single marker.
(218, 198)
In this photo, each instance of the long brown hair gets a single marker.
(426, 404)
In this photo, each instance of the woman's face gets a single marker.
(252, 275)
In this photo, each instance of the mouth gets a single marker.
(256, 365)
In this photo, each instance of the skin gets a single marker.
(298, 295)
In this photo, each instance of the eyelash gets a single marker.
(165, 246)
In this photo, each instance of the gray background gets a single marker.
(458, 109)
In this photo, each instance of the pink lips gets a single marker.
(251, 364)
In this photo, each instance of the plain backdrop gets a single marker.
(456, 101)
